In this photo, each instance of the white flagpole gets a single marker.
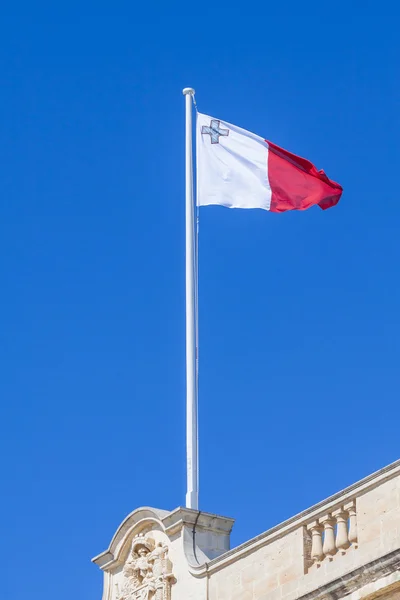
(192, 494)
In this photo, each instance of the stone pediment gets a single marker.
(153, 549)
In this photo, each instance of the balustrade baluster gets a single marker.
(329, 547)
(317, 553)
(351, 509)
(342, 540)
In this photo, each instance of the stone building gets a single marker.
(347, 546)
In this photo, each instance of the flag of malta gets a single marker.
(239, 169)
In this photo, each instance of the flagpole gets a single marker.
(192, 494)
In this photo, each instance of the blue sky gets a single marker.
(299, 312)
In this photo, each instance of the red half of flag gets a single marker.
(296, 184)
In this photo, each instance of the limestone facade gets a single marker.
(347, 546)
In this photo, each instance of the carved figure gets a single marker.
(147, 572)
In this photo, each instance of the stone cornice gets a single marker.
(181, 517)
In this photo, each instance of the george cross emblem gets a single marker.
(214, 131)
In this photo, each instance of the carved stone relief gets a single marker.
(147, 573)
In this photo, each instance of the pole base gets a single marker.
(192, 500)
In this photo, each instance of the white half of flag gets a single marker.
(232, 165)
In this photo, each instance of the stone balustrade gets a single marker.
(332, 533)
